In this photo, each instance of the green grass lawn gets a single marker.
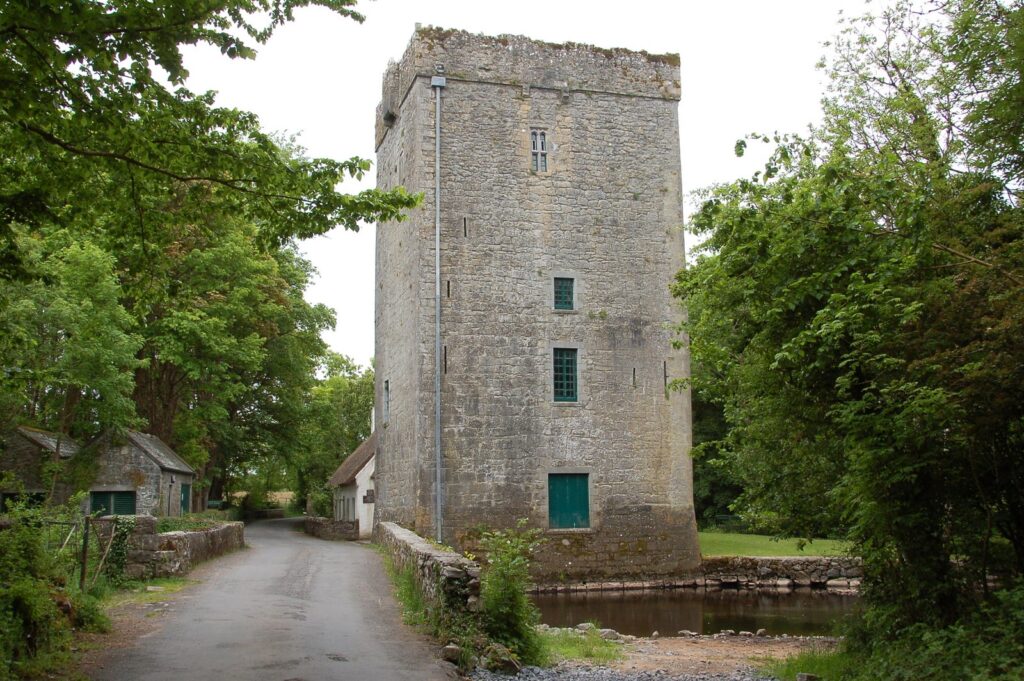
(730, 544)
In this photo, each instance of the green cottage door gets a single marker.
(568, 500)
(186, 498)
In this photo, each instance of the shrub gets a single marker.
(509, 617)
(987, 645)
(187, 523)
(35, 606)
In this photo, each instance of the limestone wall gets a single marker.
(125, 467)
(606, 213)
(736, 572)
(838, 572)
(447, 579)
(171, 554)
(328, 528)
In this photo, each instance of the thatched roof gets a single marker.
(354, 462)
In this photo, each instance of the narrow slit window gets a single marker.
(565, 376)
(465, 228)
(539, 151)
(446, 359)
(448, 285)
(564, 293)
(386, 409)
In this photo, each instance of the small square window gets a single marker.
(565, 375)
(568, 500)
(539, 151)
(564, 293)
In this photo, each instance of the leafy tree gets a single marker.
(336, 423)
(68, 347)
(183, 305)
(82, 91)
(870, 366)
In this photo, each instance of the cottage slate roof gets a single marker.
(48, 441)
(354, 462)
(156, 449)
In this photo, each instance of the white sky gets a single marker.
(747, 65)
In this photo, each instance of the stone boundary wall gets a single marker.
(171, 554)
(328, 528)
(842, 574)
(446, 579)
(747, 572)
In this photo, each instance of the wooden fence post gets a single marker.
(85, 553)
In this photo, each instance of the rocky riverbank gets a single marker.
(725, 656)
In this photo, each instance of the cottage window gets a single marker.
(568, 500)
(539, 151)
(112, 503)
(564, 298)
(564, 375)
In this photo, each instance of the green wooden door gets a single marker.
(568, 500)
(186, 499)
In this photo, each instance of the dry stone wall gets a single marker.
(836, 572)
(446, 579)
(170, 554)
(328, 528)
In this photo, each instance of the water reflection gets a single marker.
(802, 612)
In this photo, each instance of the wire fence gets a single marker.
(76, 542)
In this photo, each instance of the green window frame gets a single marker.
(565, 375)
(568, 501)
(564, 299)
(112, 503)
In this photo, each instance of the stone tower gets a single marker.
(546, 319)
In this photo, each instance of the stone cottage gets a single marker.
(524, 327)
(25, 453)
(140, 474)
(353, 487)
(136, 474)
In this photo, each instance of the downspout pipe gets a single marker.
(438, 84)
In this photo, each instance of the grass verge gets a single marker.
(140, 592)
(827, 665)
(569, 644)
(732, 544)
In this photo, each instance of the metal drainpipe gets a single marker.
(438, 83)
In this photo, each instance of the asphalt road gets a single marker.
(289, 608)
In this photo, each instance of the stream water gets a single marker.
(801, 612)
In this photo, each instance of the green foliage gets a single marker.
(117, 557)
(583, 646)
(871, 366)
(509, 617)
(828, 665)
(336, 421)
(187, 523)
(150, 276)
(39, 604)
(321, 500)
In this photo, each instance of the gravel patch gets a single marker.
(575, 672)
